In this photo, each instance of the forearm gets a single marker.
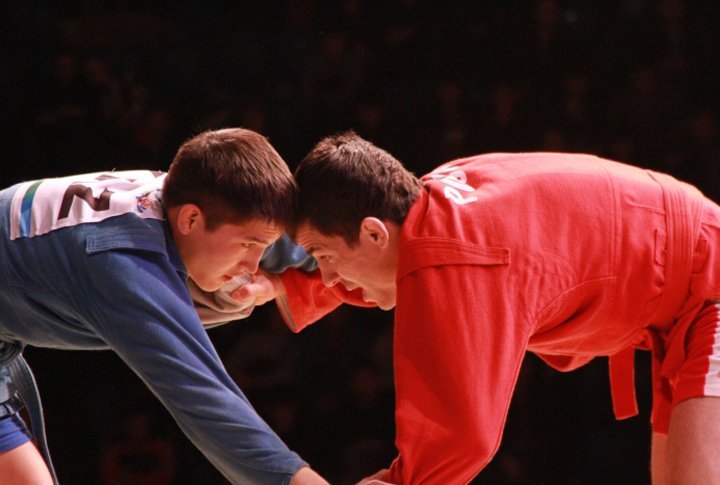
(306, 299)
(306, 476)
(161, 339)
(455, 370)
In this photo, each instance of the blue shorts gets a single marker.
(13, 431)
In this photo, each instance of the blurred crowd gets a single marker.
(89, 86)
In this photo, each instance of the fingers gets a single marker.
(260, 291)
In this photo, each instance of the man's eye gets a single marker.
(247, 245)
(326, 259)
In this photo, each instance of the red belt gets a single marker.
(682, 214)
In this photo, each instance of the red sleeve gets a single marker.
(458, 351)
(307, 299)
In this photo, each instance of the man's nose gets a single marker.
(251, 262)
(329, 278)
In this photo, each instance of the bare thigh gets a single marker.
(693, 443)
(23, 465)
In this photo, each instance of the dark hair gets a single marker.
(345, 179)
(233, 175)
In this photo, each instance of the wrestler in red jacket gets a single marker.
(568, 256)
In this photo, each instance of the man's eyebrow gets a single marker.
(259, 240)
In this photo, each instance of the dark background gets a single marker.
(88, 86)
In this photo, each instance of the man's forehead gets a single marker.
(310, 238)
(259, 230)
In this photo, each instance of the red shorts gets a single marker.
(699, 373)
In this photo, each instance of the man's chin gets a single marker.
(209, 286)
(387, 306)
(383, 305)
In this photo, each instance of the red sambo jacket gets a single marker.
(567, 256)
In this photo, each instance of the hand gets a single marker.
(375, 479)
(262, 288)
(305, 476)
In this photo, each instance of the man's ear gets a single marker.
(374, 231)
(188, 218)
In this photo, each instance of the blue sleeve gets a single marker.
(284, 254)
(139, 305)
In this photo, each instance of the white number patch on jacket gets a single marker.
(41, 206)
